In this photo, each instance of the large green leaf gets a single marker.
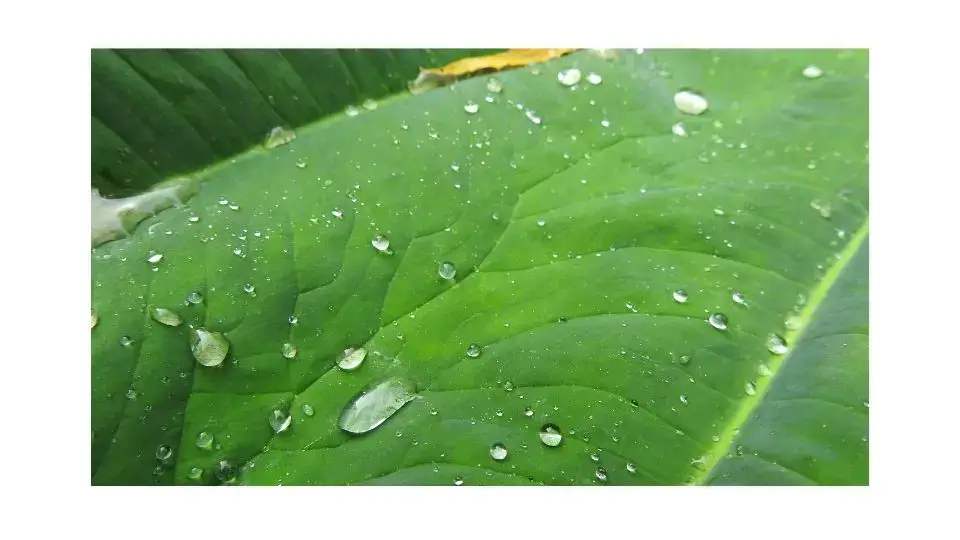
(570, 238)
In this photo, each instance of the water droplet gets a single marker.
(739, 450)
(689, 102)
(764, 371)
(288, 350)
(278, 136)
(223, 201)
(528, 412)
(301, 164)
(226, 472)
(193, 219)
(631, 467)
(739, 298)
(822, 207)
(434, 412)
(337, 213)
(165, 316)
(209, 348)
(776, 344)
(369, 104)
(352, 358)
(250, 289)
(471, 107)
(680, 296)
(93, 319)
(280, 421)
(494, 85)
(196, 473)
(595, 458)
(293, 320)
(750, 388)
(569, 77)
(594, 78)
(683, 399)
(550, 435)
(374, 405)
(458, 481)
(164, 452)
(508, 386)
(234, 207)
(532, 116)
(155, 258)
(541, 222)
(473, 350)
(132, 394)
(605, 123)
(718, 321)
(679, 130)
(194, 298)
(381, 243)
(601, 474)
(498, 452)
(204, 440)
(126, 341)
(351, 111)
(792, 322)
(307, 409)
(812, 72)
(447, 270)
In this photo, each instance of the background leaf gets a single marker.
(569, 236)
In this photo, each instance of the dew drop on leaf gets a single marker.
(684, 359)
(194, 298)
(250, 289)
(763, 370)
(792, 322)
(352, 358)
(494, 85)
(288, 350)
(164, 452)
(541, 222)
(679, 130)
(738, 298)
(508, 386)
(226, 472)
(369, 104)
(351, 111)
(812, 72)
(278, 136)
(569, 77)
(279, 421)
(528, 412)
(550, 435)
(204, 440)
(381, 243)
(196, 473)
(447, 270)
(307, 409)
(498, 452)
(165, 316)
(532, 116)
(473, 350)
(193, 219)
(631, 467)
(690, 103)
(471, 107)
(209, 348)
(458, 481)
(823, 208)
(680, 296)
(718, 321)
(375, 404)
(293, 320)
(155, 258)
(93, 319)
(126, 341)
(132, 394)
(776, 344)
(594, 78)
(750, 388)
(601, 474)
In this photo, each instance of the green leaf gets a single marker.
(570, 238)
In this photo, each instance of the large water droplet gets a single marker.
(381, 243)
(684, 359)
(473, 350)
(194, 298)
(594, 78)
(776, 344)
(196, 473)
(126, 341)
(718, 321)
(155, 258)
(601, 474)
(750, 388)
(631, 467)
(447, 270)
(93, 319)
(812, 72)
(494, 85)
(205, 440)
(165, 316)
(763, 370)
(209, 348)
(739, 298)
(352, 358)
(226, 472)
(528, 412)
(351, 111)
(471, 107)
(458, 481)
(689, 102)
(369, 104)
(164, 452)
(792, 322)
(374, 405)
(307, 409)
(279, 420)
(680, 296)
(288, 350)
(278, 136)
(569, 77)
(498, 452)
(550, 435)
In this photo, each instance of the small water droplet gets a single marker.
(165, 316)
(683, 399)
(223, 201)
(750, 388)
(447, 270)
(541, 222)
(528, 412)
(508, 386)
(458, 481)
(193, 219)
(250, 289)
(132, 394)
(532, 116)
(684, 359)
(337, 213)
(601, 474)
(569, 77)
(288, 350)
(494, 85)
(352, 358)
(381, 243)
(375, 404)
(434, 412)
(125, 341)
(498, 452)
(763, 370)
(93, 319)
(718, 321)
(679, 130)
(776, 344)
(204, 440)
(812, 72)
(307, 409)
(293, 320)
(226, 472)
(196, 473)
(739, 450)
(823, 208)
(690, 103)
(280, 421)
(550, 435)
(594, 457)
(155, 258)
(680, 296)
(233, 207)
(194, 298)
(369, 104)
(473, 350)
(351, 111)
(278, 136)
(594, 78)
(631, 467)
(739, 298)
(471, 107)
(718, 211)
(792, 322)
(209, 348)
(605, 123)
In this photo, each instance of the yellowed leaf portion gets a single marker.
(433, 77)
